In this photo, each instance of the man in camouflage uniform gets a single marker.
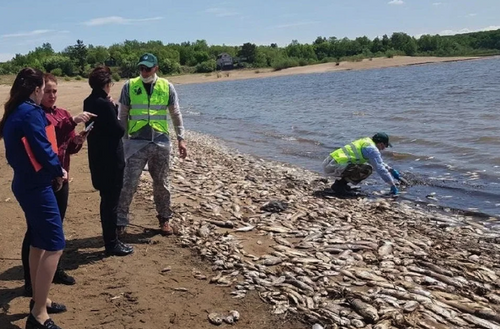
(143, 108)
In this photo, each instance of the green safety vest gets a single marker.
(351, 153)
(148, 110)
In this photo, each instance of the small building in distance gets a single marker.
(224, 62)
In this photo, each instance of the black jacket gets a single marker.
(105, 147)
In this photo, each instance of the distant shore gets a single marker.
(366, 64)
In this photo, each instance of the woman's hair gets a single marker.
(100, 77)
(25, 84)
(49, 77)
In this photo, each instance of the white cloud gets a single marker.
(4, 57)
(221, 12)
(437, 3)
(471, 15)
(466, 30)
(396, 2)
(118, 20)
(26, 34)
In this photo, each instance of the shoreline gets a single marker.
(365, 64)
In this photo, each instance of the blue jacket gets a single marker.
(29, 121)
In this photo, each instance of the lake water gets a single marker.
(443, 121)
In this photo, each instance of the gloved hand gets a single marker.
(394, 190)
(395, 174)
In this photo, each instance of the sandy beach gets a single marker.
(309, 258)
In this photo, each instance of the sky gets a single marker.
(28, 24)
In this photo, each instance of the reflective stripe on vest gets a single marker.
(351, 153)
(148, 109)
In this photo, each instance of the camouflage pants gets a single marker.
(158, 160)
(352, 173)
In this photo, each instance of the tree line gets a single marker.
(198, 57)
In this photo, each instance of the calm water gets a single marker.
(443, 120)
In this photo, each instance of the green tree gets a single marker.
(97, 55)
(78, 53)
(248, 52)
(411, 47)
(428, 43)
(377, 46)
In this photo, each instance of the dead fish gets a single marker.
(245, 228)
(357, 323)
(385, 324)
(435, 268)
(385, 249)
(271, 261)
(305, 260)
(365, 310)
(493, 298)
(282, 241)
(215, 318)
(312, 237)
(235, 314)
(274, 229)
(367, 275)
(448, 315)
(203, 232)
(226, 224)
(353, 247)
(304, 245)
(410, 306)
(479, 322)
(299, 284)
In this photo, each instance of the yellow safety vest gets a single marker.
(351, 153)
(148, 109)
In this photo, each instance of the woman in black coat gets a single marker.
(106, 157)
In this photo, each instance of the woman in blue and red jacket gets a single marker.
(24, 118)
(68, 143)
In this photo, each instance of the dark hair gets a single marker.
(25, 84)
(100, 77)
(48, 77)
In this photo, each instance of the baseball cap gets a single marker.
(382, 138)
(148, 60)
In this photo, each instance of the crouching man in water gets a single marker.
(349, 164)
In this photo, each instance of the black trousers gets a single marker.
(62, 203)
(109, 206)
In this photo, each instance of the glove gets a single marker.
(395, 174)
(394, 190)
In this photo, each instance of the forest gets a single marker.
(198, 57)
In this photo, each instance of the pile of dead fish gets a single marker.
(355, 263)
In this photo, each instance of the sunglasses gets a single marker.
(145, 68)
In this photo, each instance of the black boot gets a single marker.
(340, 187)
(119, 248)
(63, 278)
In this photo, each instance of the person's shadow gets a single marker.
(76, 256)
(6, 296)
